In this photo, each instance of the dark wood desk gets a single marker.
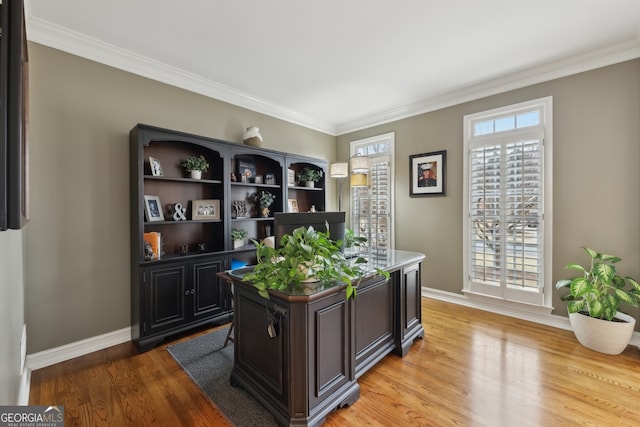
(323, 343)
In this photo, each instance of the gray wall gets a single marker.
(77, 243)
(11, 314)
(596, 200)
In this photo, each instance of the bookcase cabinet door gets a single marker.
(209, 297)
(165, 295)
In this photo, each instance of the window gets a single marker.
(372, 206)
(507, 197)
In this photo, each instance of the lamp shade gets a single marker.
(358, 180)
(339, 170)
(359, 164)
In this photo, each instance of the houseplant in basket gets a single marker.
(593, 301)
(264, 199)
(310, 176)
(306, 256)
(195, 165)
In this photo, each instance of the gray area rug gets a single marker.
(210, 365)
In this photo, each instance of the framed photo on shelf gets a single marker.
(205, 209)
(270, 179)
(292, 205)
(246, 169)
(427, 174)
(291, 178)
(156, 167)
(153, 208)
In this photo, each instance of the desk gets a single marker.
(323, 343)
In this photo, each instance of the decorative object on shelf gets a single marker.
(153, 208)
(252, 137)
(246, 169)
(179, 212)
(594, 298)
(291, 178)
(195, 165)
(258, 179)
(427, 174)
(239, 208)
(270, 179)
(310, 176)
(184, 249)
(264, 199)
(360, 166)
(292, 205)
(205, 209)
(154, 241)
(312, 208)
(155, 166)
(202, 247)
(267, 230)
(305, 254)
(238, 236)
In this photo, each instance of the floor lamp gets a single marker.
(358, 177)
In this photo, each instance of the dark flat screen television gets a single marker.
(285, 223)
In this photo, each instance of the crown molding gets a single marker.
(576, 64)
(57, 37)
(48, 34)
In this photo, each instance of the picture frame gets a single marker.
(291, 178)
(292, 205)
(427, 174)
(155, 166)
(246, 169)
(205, 209)
(153, 208)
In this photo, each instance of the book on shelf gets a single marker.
(154, 239)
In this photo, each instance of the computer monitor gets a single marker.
(285, 223)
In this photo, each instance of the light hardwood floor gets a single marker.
(473, 368)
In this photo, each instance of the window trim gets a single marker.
(545, 106)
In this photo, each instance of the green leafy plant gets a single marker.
(306, 254)
(264, 199)
(599, 291)
(195, 163)
(238, 234)
(309, 174)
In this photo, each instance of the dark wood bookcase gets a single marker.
(180, 290)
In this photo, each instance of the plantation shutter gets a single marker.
(505, 202)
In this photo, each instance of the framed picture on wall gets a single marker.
(427, 174)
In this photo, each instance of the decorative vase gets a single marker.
(310, 184)
(252, 137)
(604, 336)
(264, 212)
(196, 174)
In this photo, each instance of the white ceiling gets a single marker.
(342, 65)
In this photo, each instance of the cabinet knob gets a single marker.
(193, 291)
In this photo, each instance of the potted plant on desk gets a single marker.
(306, 256)
(594, 298)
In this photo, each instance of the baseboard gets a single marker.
(55, 355)
(25, 387)
(553, 320)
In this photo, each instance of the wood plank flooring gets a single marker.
(472, 369)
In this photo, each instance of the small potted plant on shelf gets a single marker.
(306, 258)
(264, 199)
(238, 235)
(195, 165)
(310, 176)
(594, 298)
